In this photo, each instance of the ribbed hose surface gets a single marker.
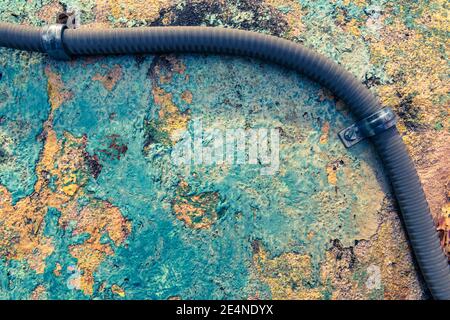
(224, 41)
(20, 37)
(415, 211)
(408, 190)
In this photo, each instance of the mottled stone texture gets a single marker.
(91, 205)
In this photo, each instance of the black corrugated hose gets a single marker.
(408, 190)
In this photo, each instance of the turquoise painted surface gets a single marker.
(325, 216)
(21, 121)
(162, 257)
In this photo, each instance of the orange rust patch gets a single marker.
(110, 79)
(130, 9)
(325, 131)
(56, 91)
(331, 175)
(331, 169)
(197, 211)
(39, 293)
(96, 219)
(187, 96)
(171, 120)
(64, 163)
(49, 12)
(168, 65)
(21, 228)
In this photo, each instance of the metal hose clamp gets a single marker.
(52, 41)
(368, 127)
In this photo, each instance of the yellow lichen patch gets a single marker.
(194, 215)
(130, 9)
(62, 162)
(444, 227)
(116, 289)
(325, 132)
(56, 91)
(292, 12)
(21, 230)
(23, 224)
(435, 16)
(287, 275)
(171, 121)
(97, 219)
(332, 174)
(331, 169)
(50, 150)
(89, 256)
(197, 211)
(62, 172)
(71, 189)
(353, 27)
(90, 26)
(418, 71)
(359, 3)
(109, 80)
(101, 217)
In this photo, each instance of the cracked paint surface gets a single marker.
(92, 207)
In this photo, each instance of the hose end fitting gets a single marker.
(52, 41)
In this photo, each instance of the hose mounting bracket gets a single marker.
(368, 127)
(52, 41)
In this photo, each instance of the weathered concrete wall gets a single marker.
(91, 205)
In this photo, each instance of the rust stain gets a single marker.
(187, 96)
(56, 91)
(325, 132)
(197, 211)
(110, 79)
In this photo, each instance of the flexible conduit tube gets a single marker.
(403, 176)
